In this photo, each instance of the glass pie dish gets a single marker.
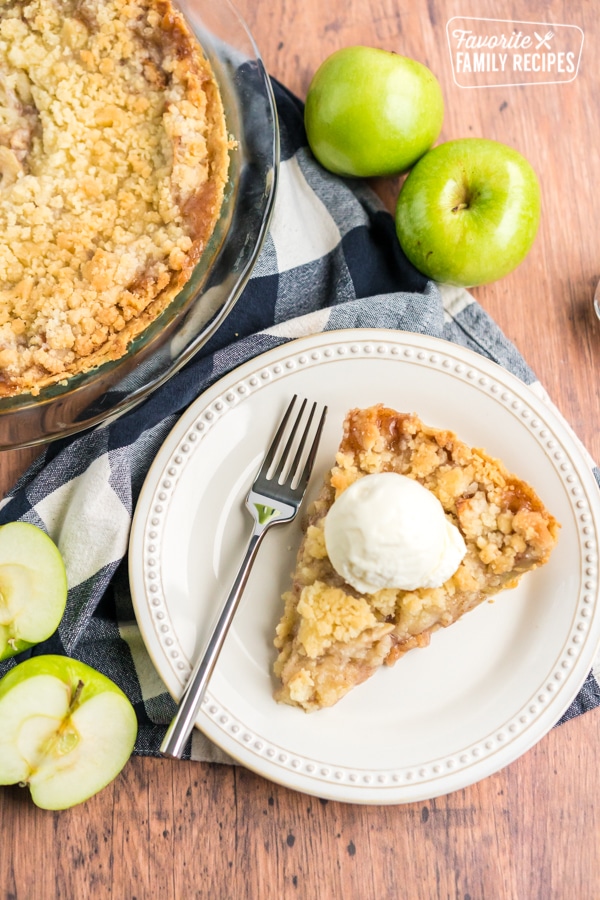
(220, 275)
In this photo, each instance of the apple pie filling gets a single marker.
(331, 637)
(113, 161)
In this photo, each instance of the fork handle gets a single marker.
(184, 720)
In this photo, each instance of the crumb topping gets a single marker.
(328, 615)
(113, 161)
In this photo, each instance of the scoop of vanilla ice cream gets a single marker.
(388, 531)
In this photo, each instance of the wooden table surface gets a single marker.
(181, 830)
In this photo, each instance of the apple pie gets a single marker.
(331, 636)
(114, 157)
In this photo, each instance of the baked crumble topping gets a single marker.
(113, 163)
(331, 637)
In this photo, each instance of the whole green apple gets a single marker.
(67, 730)
(468, 212)
(371, 112)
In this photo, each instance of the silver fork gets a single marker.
(274, 498)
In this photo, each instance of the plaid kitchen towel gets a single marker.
(330, 260)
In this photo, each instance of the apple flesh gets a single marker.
(67, 730)
(33, 587)
(468, 212)
(370, 112)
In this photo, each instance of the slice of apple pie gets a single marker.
(333, 636)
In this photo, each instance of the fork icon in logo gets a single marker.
(543, 41)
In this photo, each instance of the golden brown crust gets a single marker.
(113, 163)
(330, 637)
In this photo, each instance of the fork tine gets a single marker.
(288, 446)
(294, 467)
(303, 480)
(272, 451)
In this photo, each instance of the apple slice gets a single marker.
(67, 730)
(33, 587)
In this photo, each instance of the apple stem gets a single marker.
(460, 206)
(76, 696)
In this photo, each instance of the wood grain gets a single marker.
(186, 830)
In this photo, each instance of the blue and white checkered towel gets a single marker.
(331, 260)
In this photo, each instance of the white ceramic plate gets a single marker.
(442, 718)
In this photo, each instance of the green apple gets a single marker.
(468, 212)
(67, 730)
(33, 587)
(372, 112)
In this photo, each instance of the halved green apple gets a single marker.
(66, 730)
(33, 587)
